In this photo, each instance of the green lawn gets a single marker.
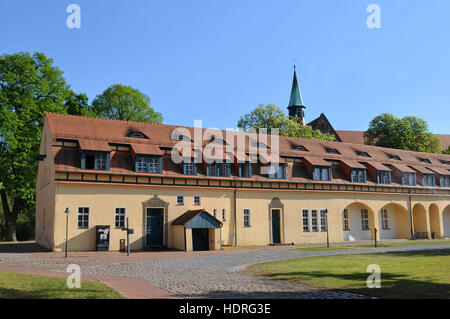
(408, 243)
(415, 274)
(24, 286)
(318, 248)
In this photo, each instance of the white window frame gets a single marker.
(248, 224)
(215, 212)
(199, 200)
(364, 219)
(345, 220)
(88, 215)
(124, 217)
(305, 226)
(224, 214)
(182, 200)
(323, 219)
(384, 219)
(314, 220)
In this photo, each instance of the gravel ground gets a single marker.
(222, 276)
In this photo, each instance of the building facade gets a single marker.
(106, 171)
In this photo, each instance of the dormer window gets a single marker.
(409, 179)
(149, 164)
(98, 161)
(364, 154)
(321, 173)
(446, 162)
(358, 175)
(300, 148)
(332, 151)
(280, 173)
(425, 160)
(136, 135)
(428, 180)
(394, 157)
(384, 177)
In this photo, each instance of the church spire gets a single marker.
(296, 106)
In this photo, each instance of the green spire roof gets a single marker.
(296, 96)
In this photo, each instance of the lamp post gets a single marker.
(67, 212)
(328, 236)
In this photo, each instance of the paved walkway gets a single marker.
(179, 274)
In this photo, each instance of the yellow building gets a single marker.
(107, 170)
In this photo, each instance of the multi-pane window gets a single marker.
(189, 168)
(218, 169)
(445, 181)
(96, 161)
(83, 217)
(180, 200)
(119, 218)
(323, 220)
(197, 200)
(409, 179)
(215, 212)
(358, 175)
(245, 170)
(384, 219)
(364, 219)
(321, 173)
(428, 180)
(384, 177)
(149, 164)
(314, 224)
(224, 214)
(305, 220)
(345, 220)
(280, 172)
(246, 217)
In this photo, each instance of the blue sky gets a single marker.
(215, 60)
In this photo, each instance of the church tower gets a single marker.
(296, 106)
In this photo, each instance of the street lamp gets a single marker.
(328, 235)
(67, 212)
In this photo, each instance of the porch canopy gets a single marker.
(199, 218)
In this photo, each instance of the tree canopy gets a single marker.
(121, 102)
(407, 133)
(29, 86)
(269, 117)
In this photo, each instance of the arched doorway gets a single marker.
(357, 222)
(420, 221)
(435, 225)
(446, 221)
(394, 222)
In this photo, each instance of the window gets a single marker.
(409, 179)
(245, 170)
(323, 220)
(218, 169)
(428, 180)
(446, 162)
(224, 214)
(119, 219)
(384, 177)
(364, 219)
(300, 148)
(332, 151)
(345, 220)
(197, 200)
(215, 212)
(358, 176)
(246, 217)
(180, 200)
(384, 219)
(136, 135)
(394, 157)
(280, 172)
(364, 154)
(149, 164)
(189, 168)
(314, 225)
(95, 160)
(321, 173)
(445, 181)
(305, 220)
(83, 217)
(425, 160)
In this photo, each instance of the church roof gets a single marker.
(296, 95)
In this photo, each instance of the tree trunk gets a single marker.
(10, 216)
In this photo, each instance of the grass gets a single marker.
(408, 243)
(413, 274)
(25, 286)
(318, 248)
